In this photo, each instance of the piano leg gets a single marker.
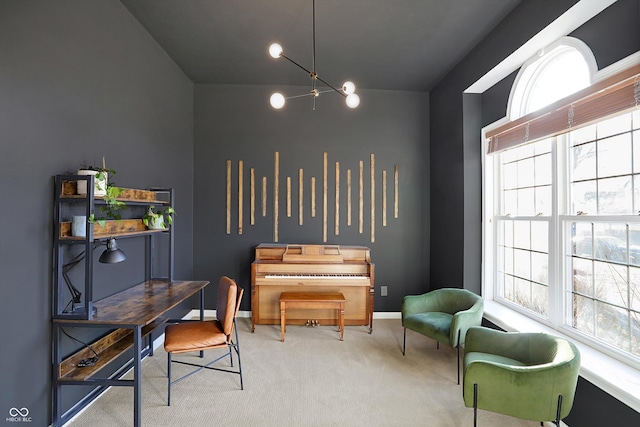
(341, 320)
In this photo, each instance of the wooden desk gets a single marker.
(135, 312)
(307, 300)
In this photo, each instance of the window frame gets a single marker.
(608, 368)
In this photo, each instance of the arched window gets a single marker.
(558, 71)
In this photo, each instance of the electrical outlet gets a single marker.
(383, 291)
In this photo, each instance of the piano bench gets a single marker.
(308, 300)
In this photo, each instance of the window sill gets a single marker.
(612, 376)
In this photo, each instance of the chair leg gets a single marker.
(475, 405)
(458, 348)
(559, 410)
(404, 341)
(237, 347)
(458, 367)
(168, 379)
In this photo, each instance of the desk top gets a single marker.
(140, 304)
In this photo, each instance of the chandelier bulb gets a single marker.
(275, 50)
(348, 87)
(353, 100)
(277, 100)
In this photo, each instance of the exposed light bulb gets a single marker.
(353, 100)
(277, 100)
(348, 88)
(275, 50)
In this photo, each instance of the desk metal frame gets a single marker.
(151, 300)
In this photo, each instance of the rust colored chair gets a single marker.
(204, 335)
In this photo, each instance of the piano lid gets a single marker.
(312, 253)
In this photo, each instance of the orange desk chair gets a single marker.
(207, 335)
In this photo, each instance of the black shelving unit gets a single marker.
(131, 326)
(66, 203)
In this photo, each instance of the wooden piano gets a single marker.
(281, 268)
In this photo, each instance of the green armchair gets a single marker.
(532, 376)
(443, 315)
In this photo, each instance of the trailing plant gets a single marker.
(112, 206)
(153, 216)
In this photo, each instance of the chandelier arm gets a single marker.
(331, 86)
(295, 63)
(299, 96)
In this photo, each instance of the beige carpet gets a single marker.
(312, 379)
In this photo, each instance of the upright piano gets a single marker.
(281, 268)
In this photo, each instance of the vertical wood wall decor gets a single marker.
(313, 197)
(373, 198)
(395, 194)
(276, 190)
(300, 194)
(348, 197)
(240, 195)
(337, 203)
(361, 200)
(252, 201)
(291, 193)
(288, 197)
(264, 196)
(228, 196)
(324, 197)
(384, 198)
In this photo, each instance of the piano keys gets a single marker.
(281, 268)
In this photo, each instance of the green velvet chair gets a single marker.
(443, 315)
(532, 376)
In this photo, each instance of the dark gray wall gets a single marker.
(455, 175)
(78, 80)
(236, 123)
(456, 155)
(472, 252)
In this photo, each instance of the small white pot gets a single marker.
(100, 185)
(156, 223)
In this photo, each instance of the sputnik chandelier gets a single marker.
(348, 88)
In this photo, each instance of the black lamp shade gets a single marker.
(112, 255)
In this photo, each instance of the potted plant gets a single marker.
(155, 219)
(101, 175)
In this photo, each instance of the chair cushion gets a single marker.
(193, 336)
(435, 324)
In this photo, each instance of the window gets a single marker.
(562, 236)
(603, 257)
(523, 225)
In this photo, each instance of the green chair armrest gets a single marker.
(465, 319)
